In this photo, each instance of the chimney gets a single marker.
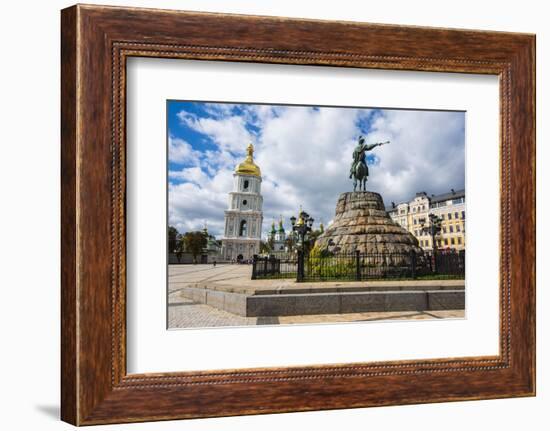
(453, 191)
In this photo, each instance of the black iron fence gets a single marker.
(280, 266)
(359, 266)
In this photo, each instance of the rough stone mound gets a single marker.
(361, 223)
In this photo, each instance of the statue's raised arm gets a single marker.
(378, 144)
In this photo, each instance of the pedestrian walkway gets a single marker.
(184, 313)
(237, 278)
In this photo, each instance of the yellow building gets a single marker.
(414, 216)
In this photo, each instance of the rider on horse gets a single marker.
(360, 154)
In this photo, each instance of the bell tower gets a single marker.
(244, 216)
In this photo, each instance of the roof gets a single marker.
(454, 194)
(248, 167)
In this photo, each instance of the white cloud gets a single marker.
(195, 175)
(228, 133)
(305, 155)
(426, 153)
(190, 204)
(181, 152)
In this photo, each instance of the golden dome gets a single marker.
(248, 167)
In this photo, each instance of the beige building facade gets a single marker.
(450, 207)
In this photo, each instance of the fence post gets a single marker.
(254, 263)
(357, 266)
(270, 259)
(300, 269)
(413, 264)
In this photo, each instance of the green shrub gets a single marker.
(320, 263)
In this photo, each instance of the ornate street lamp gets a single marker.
(433, 229)
(302, 226)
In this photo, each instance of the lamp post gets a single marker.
(433, 229)
(302, 226)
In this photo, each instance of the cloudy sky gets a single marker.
(304, 154)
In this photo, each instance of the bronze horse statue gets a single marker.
(360, 175)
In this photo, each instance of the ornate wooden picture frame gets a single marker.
(96, 42)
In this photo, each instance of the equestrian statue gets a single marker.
(359, 170)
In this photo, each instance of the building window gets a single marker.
(242, 229)
(456, 216)
(450, 229)
(463, 215)
(449, 216)
(245, 184)
(446, 242)
(444, 229)
(244, 202)
(459, 240)
(458, 228)
(442, 216)
(452, 241)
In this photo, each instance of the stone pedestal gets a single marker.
(361, 223)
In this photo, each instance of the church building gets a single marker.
(244, 216)
(278, 237)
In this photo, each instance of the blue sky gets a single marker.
(304, 154)
(205, 145)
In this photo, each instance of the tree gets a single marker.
(180, 247)
(290, 241)
(172, 239)
(194, 243)
(265, 247)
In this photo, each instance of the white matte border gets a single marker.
(153, 348)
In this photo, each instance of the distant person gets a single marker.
(214, 263)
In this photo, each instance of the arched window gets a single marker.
(242, 230)
(245, 184)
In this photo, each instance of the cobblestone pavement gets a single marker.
(186, 275)
(237, 278)
(184, 313)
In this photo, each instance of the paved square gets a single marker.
(185, 313)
